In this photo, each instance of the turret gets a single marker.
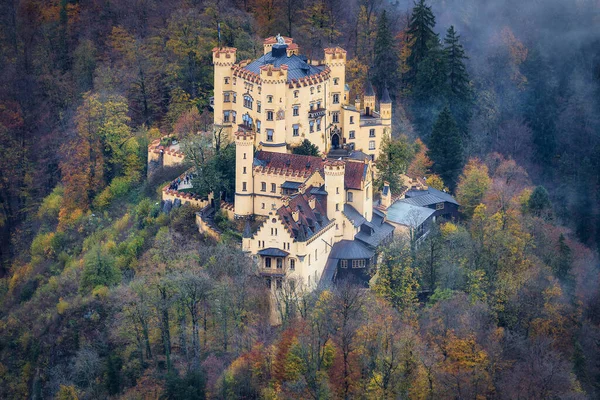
(244, 182)
(369, 99)
(334, 186)
(357, 103)
(223, 60)
(385, 105)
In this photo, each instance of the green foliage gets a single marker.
(446, 148)
(189, 387)
(99, 269)
(385, 66)
(118, 188)
(306, 148)
(51, 205)
(393, 161)
(441, 295)
(539, 202)
(421, 35)
(460, 93)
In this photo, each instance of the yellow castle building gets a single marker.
(284, 98)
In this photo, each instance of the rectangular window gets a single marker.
(273, 188)
(226, 80)
(336, 99)
(312, 126)
(244, 170)
(269, 99)
(371, 145)
(318, 124)
(295, 94)
(280, 263)
(268, 262)
(336, 118)
(248, 102)
(235, 97)
(315, 255)
(350, 197)
(269, 135)
(262, 206)
(296, 111)
(263, 186)
(257, 126)
(439, 206)
(371, 132)
(352, 134)
(225, 116)
(344, 263)
(233, 115)
(296, 130)
(269, 115)
(226, 98)
(336, 81)
(351, 119)
(243, 186)
(292, 264)
(358, 263)
(258, 107)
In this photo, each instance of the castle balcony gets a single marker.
(274, 262)
(245, 127)
(316, 113)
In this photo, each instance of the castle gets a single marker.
(317, 218)
(284, 98)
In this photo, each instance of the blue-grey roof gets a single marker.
(442, 196)
(291, 185)
(273, 252)
(329, 272)
(404, 213)
(369, 89)
(319, 190)
(297, 65)
(385, 97)
(353, 215)
(378, 230)
(350, 250)
(359, 155)
(423, 201)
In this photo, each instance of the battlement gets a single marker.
(244, 138)
(224, 55)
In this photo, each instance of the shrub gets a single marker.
(99, 269)
(51, 204)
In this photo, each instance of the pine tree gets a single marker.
(446, 148)
(386, 67)
(421, 34)
(459, 91)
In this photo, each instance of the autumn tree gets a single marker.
(472, 186)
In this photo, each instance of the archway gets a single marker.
(335, 141)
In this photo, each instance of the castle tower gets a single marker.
(223, 60)
(244, 181)
(274, 100)
(334, 186)
(385, 107)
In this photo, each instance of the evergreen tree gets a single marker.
(459, 91)
(386, 67)
(421, 34)
(539, 201)
(393, 161)
(563, 262)
(446, 148)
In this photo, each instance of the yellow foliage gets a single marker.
(447, 229)
(68, 218)
(435, 181)
(62, 306)
(100, 292)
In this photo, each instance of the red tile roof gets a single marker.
(354, 175)
(310, 221)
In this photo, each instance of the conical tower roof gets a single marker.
(385, 97)
(369, 89)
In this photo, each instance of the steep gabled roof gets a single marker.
(355, 174)
(369, 89)
(385, 97)
(310, 221)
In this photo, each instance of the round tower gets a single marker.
(334, 186)
(244, 181)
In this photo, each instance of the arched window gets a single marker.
(248, 101)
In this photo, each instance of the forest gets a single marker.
(103, 295)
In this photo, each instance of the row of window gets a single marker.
(248, 86)
(355, 263)
(279, 263)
